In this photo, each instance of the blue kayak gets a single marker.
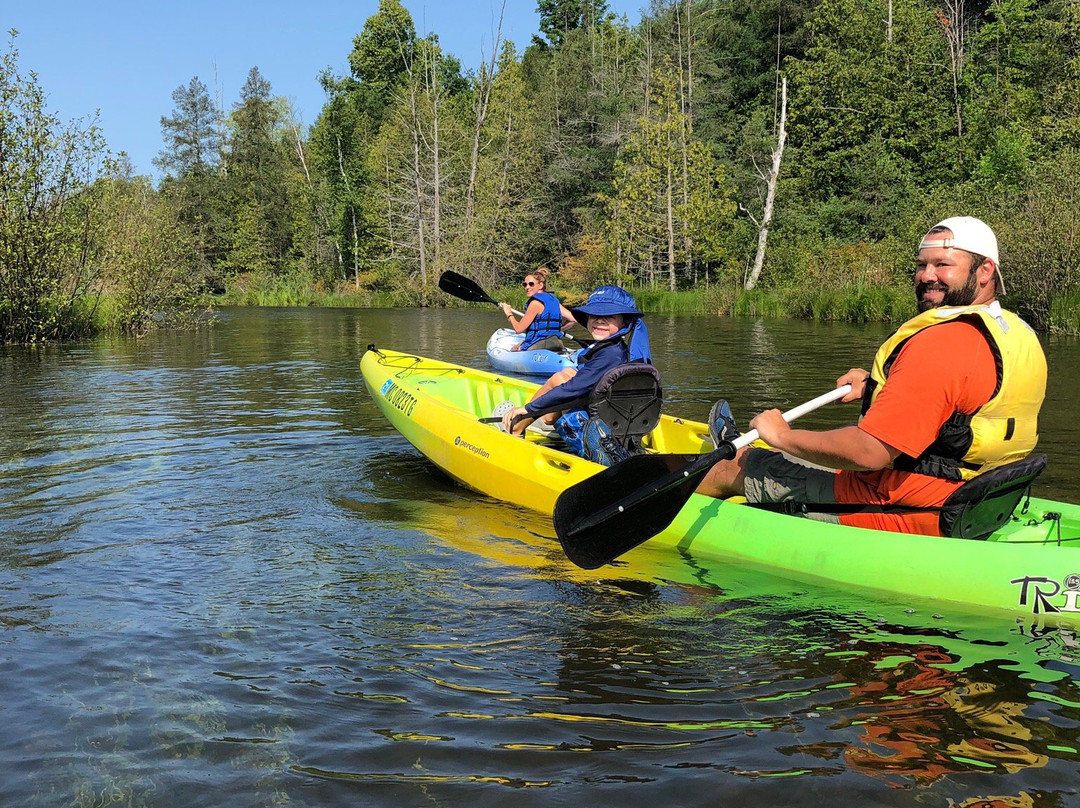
(529, 363)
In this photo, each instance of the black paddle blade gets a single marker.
(614, 511)
(463, 288)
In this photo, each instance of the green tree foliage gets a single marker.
(343, 135)
(737, 48)
(559, 17)
(1060, 125)
(50, 216)
(671, 201)
(194, 176)
(739, 45)
(381, 56)
(507, 221)
(1040, 236)
(417, 160)
(339, 149)
(613, 152)
(586, 92)
(190, 133)
(866, 92)
(147, 265)
(258, 171)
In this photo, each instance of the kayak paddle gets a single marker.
(468, 290)
(597, 520)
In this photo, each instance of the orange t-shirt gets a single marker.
(943, 369)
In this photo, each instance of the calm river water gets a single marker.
(225, 581)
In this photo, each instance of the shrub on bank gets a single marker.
(863, 302)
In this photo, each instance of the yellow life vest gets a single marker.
(1002, 430)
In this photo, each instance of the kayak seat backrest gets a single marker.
(628, 398)
(986, 502)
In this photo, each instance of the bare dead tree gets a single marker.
(953, 22)
(319, 210)
(483, 99)
(417, 176)
(686, 106)
(770, 194)
(435, 88)
(219, 118)
(352, 215)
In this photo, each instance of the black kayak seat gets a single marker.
(628, 398)
(986, 502)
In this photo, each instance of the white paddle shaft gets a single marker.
(795, 412)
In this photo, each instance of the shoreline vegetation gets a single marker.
(892, 304)
(853, 305)
(731, 157)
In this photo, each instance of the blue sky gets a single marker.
(125, 57)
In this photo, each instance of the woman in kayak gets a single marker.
(613, 319)
(543, 317)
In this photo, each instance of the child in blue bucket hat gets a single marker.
(612, 317)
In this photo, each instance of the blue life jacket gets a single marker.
(640, 351)
(628, 344)
(547, 323)
(593, 363)
(634, 336)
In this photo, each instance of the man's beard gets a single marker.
(964, 296)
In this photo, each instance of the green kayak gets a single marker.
(1024, 568)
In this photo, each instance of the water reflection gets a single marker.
(224, 573)
(923, 721)
(649, 667)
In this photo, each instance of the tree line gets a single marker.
(651, 155)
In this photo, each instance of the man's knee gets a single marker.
(726, 478)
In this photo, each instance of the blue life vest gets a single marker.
(634, 336)
(547, 323)
(640, 351)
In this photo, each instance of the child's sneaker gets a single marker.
(722, 427)
(600, 446)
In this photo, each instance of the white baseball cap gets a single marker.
(970, 234)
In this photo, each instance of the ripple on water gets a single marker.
(222, 572)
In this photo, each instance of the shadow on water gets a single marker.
(223, 572)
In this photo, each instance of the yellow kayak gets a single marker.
(1025, 567)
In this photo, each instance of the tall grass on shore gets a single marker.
(1065, 314)
(861, 303)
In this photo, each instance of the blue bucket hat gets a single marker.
(606, 301)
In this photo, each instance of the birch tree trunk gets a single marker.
(770, 194)
(418, 183)
(670, 213)
(355, 248)
(436, 207)
(953, 22)
(483, 99)
(352, 216)
(220, 122)
(686, 102)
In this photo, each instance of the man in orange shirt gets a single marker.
(954, 392)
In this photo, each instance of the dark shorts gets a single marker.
(551, 343)
(774, 477)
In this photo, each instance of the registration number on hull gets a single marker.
(398, 398)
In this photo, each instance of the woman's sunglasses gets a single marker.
(528, 284)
